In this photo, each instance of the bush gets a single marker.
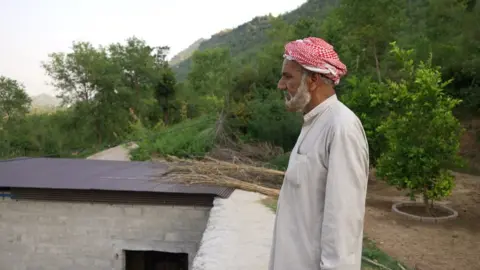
(280, 162)
(192, 137)
(423, 136)
(59, 134)
(270, 121)
(370, 101)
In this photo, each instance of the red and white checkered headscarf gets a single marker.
(316, 55)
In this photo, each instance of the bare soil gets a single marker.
(470, 145)
(453, 245)
(421, 211)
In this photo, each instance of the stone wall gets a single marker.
(37, 235)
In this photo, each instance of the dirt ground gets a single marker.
(454, 245)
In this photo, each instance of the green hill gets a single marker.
(248, 37)
(185, 54)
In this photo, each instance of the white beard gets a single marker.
(298, 102)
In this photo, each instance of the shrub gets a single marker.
(270, 121)
(192, 137)
(59, 133)
(370, 101)
(280, 162)
(423, 136)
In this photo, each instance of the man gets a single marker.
(319, 223)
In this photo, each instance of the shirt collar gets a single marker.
(320, 108)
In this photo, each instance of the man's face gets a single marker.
(294, 85)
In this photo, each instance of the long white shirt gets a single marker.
(321, 208)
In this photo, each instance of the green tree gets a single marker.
(423, 136)
(14, 101)
(210, 80)
(364, 38)
(165, 94)
(139, 68)
(110, 86)
(72, 73)
(14, 105)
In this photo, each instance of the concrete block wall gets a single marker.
(38, 235)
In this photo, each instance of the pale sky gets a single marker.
(31, 29)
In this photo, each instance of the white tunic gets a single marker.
(320, 212)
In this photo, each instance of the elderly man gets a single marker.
(319, 223)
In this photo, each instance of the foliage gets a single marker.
(249, 38)
(102, 89)
(193, 137)
(110, 82)
(423, 136)
(365, 46)
(269, 121)
(245, 75)
(209, 81)
(280, 162)
(14, 101)
(54, 134)
(371, 101)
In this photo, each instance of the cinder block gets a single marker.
(17, 206)
(102, 264)
(132, 211)
(197, 213)
(82, 261)
(183, 236)
(112, 211)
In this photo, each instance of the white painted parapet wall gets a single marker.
(238, 234)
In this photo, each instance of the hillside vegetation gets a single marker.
(102, 90)
(185, 54)
(118, 90)
(250, 37)
(412, 74)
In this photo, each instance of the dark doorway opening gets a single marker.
(155, 260)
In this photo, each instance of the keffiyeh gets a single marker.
(316, 55)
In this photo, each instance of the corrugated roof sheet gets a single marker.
(84, 174)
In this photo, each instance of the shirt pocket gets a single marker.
(297, 173)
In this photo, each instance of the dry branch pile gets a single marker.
(210, 171)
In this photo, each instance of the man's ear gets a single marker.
(314, 81)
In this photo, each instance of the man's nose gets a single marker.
(281, 85)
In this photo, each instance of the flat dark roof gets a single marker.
(85, 174)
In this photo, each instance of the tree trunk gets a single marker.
(427, 205)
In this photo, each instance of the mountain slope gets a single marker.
(185, 54)
(45, 100)
(250, 36)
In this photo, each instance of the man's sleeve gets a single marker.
(346, 185)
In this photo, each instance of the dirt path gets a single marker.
(451, 246)
(119, 152)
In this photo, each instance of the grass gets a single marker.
(370, 249)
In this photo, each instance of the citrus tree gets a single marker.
(422, 134)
